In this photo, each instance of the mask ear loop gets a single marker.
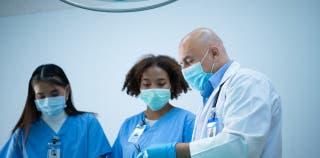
(204, 56)
(211, 71)
(212, 68)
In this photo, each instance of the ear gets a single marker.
(213, 51)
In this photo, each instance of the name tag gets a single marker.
(212, 123)
(135, 135)
(54, 149)
(211, 129)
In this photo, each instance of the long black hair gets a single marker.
(49, 73)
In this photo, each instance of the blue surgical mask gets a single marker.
(51, 106)
(195, 76)
(155, 99)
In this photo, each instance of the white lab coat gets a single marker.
(249, 113)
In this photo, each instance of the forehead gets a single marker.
(187, 50)
(40, 87)
(154, 72)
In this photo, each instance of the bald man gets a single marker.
(241, 112)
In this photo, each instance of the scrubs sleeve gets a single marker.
(10, 149)
(188, 127)
(116, 149)
(246, 117)
(98, 144)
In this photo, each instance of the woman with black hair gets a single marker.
(50, 125)
(156, 80)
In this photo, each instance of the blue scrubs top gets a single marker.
(174, 126)
(80, 136)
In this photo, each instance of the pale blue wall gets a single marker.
(278, 38)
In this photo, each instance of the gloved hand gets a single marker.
(159, 151)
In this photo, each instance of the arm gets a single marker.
(182, 150)
(188, 128)
(246, 116)
(117, 147)
(11, 149)
(208, 149)
(171, 150)
(98, 145)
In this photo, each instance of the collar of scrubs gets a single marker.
(155, 122)
(55, 122)
(150, 122)
(214, 81)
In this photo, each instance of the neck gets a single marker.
(222, 62)
(155, 115)
(55, 122)
(59, 117)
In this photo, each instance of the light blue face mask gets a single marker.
(51, 106)
(155, 99)
(195, 76)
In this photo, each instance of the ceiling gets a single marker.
(18, 7)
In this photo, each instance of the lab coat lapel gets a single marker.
(203, 111)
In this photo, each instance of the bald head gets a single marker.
(196, 44)
(200, 38)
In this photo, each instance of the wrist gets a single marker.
(182, 150)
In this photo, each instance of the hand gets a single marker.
(159, 151)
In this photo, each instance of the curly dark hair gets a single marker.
(168, 64)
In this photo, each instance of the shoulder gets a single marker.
(131, 122)
(183, 112)
(251, 82)
(185, 117)
(85, 117)
(179, 114)
(18, 133)
(247, 77)
(134, 119)
(249, 73)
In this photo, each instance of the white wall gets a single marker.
(278, 38)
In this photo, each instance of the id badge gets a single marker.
(54, 149)
(211, 128)
(53, 153)
(212, 123)
(135, 135)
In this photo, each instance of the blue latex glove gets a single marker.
(159, 151)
